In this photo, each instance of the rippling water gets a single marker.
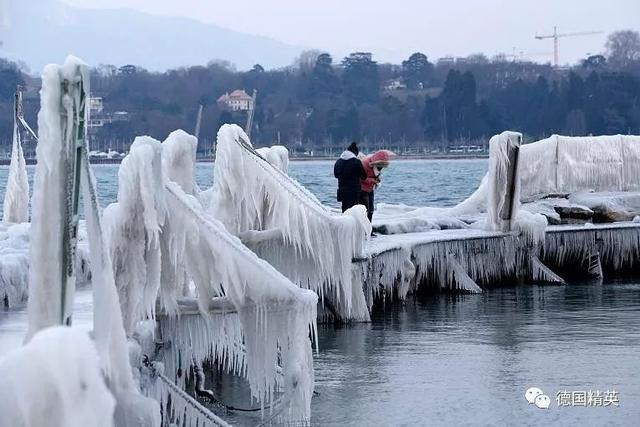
(421, 182)
(465, 360)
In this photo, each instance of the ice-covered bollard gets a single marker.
(503, 197)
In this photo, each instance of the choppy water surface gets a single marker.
(466, 360)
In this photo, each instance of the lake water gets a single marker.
(464, 360)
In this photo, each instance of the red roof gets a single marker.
(239, 94)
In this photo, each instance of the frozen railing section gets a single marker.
(287, 226)
(62, 174)
(167, 248)
(493, 206)
(563, 164)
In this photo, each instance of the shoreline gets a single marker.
(6, 162)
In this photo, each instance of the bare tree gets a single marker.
(623, 48)
(307, 60)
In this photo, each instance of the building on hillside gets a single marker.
(96, 108)
(394, 84)
(95, 105)
(238, 100)
(98, 117)
(446, 61)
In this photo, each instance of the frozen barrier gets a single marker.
(101, 376)
(153, 249)
(556, 166)
(287, 226)
(564, 164)
(454, 248)
(166, 248)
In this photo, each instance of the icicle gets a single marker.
(16, 196)
(542, 273)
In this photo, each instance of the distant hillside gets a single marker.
(43, 31)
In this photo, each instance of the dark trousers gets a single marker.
(349, 199)
(366, 199)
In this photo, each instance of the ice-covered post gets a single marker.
(504, 183)
(16, 196)
(56, 194)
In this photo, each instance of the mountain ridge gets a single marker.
(40, 35)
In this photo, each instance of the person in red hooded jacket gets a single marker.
(373, 165)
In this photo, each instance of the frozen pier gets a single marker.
(471, 260)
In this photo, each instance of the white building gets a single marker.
(238, 100)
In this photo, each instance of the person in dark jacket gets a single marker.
(349, 171)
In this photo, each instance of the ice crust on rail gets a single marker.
(310, 244)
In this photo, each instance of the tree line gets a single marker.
(319, 102)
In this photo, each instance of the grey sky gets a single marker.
(392, 30)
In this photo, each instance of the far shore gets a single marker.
(464, 156)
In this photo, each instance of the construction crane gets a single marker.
(555, 36)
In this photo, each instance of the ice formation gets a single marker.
(501, 205)
(558, 165)
(277, 155)
(16, 196)
(287, 226)
(55, 380)
(132, 227)
(49, 223)
(60, 123)
(166, 248)
(14, 263)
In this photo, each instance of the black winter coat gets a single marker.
(349, 173)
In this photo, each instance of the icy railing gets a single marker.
(287, 226)
(563, 164)
(481, 210)
(556, 165)
(165, 246)
(50, 350)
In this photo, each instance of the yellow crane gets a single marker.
(555, 36)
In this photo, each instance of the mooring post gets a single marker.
(509, 208)
(503, 181)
